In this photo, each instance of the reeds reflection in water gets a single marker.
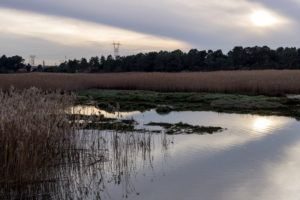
(44, 156)
(99, 160)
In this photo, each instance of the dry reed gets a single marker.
(44, 156)
(34, 133)
(252, 82)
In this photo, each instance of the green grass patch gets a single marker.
(165, 102)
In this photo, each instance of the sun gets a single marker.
(261, 18)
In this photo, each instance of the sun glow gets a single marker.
(262, 124)
(263, 18)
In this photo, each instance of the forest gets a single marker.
(239, 58)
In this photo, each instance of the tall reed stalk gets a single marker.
(46, 154)
(34, 133)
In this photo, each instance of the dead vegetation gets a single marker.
(44, 155)
(34, 133)
(270, 82)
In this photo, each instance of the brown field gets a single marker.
(253, 82)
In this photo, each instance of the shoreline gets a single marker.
(128, 100)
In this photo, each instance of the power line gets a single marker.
(32, 60)
(116, 46)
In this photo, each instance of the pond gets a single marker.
(256, 157)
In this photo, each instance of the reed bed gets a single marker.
(268, 82)
(45, 154)
(34, 133)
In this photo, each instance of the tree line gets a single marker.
(11, 64)
(239, 58)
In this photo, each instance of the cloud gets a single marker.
(289, 8)
(193, 21)
(68, 31)
(201, 24)
(71, 33)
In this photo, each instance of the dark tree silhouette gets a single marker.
(239, 58)
(11, 64)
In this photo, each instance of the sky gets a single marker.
(54, 30)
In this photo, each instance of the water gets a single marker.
(256, 157)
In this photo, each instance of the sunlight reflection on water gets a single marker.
(256, 157)
(92, 110)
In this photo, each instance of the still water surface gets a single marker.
(256, 157)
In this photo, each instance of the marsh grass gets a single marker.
(34, 134)
(46, 155)
(270, 82)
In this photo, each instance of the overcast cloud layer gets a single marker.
(53, 29)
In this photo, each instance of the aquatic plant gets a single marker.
(46, 153)
(34, 133)
(183, 128)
